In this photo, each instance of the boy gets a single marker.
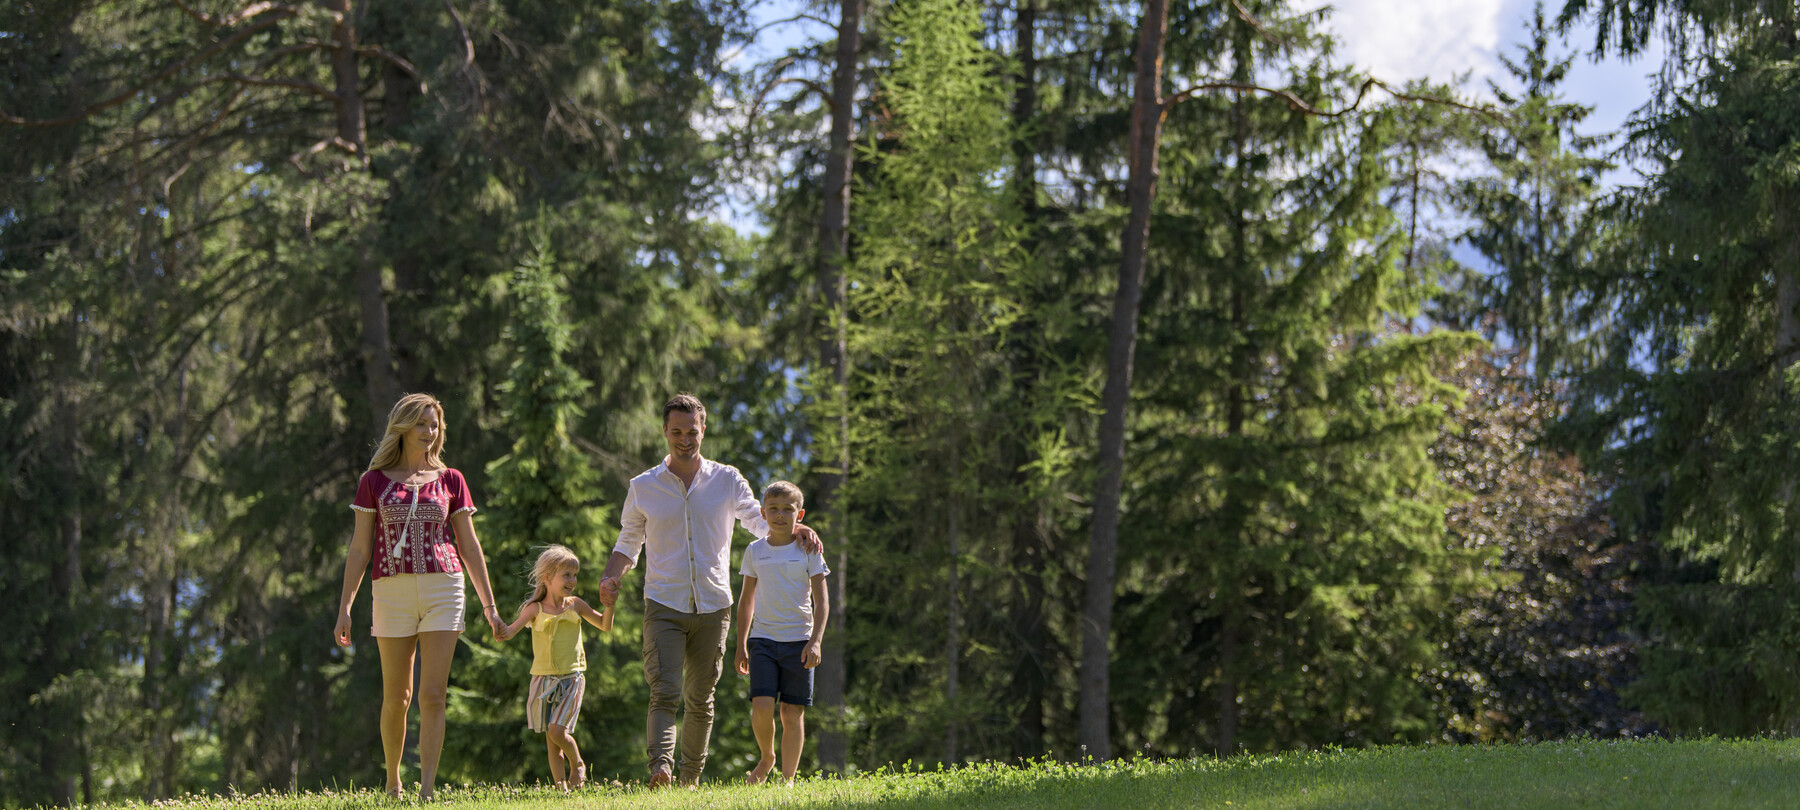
(779, 629)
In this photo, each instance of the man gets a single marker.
(680, 512)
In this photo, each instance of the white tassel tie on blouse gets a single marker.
(401, 543)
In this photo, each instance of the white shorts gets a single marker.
(410, 604)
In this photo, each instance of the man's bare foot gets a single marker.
(580, 777)
(760, 773)
(660, 778)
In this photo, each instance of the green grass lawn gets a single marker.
(1636, 774)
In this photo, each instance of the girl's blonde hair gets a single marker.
(551, 561)
(406, 415)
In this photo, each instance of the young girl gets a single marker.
(554, 702)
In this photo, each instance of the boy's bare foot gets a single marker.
(659, 778)
(760, 773)
(393, 792)
(580, 777)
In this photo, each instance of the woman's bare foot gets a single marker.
(580, 776)
(760, 773)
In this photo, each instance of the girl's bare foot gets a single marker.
(760, 773)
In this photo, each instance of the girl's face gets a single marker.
(563, 583)
(424, 434)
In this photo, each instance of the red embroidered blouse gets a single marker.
(412, 524)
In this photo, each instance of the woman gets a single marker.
(412, 518)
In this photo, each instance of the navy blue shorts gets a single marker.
(776, 671)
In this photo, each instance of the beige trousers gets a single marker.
(684, 654)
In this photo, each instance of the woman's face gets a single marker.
(424, 434)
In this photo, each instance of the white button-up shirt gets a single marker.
(686, 532)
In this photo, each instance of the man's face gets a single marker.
(684, 432)
(782, 513)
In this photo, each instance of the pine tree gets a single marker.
(1692, 394)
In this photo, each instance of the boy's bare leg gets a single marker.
(793, 739)
(556, 760)
(762, 721)
(396, 700)
(561, 738)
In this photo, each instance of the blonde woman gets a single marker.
(413, 521)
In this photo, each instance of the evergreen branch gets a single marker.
(238, 16)
(796, 18)
(1245, 15)
(1300, 105)
(107, 104)
(258, 81)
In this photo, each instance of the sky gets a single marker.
(1397, 40)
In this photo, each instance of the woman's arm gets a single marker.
(526, 614)
(468, 546)
(355, 563)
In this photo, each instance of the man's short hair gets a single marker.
(785, 489)
(686, 403)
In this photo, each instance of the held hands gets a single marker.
(609, 591)
(808, 539)
(492, 614)
(810, 657)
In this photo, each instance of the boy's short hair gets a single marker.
(686, 403)
(786, 489)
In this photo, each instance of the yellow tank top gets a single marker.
(556, 643)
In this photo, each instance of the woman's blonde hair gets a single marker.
(406, 415)
(551, 561)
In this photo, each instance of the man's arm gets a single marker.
(624, 556)
(609, 581)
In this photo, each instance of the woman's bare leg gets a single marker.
(435, 650)
(396, 700)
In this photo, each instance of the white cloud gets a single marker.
(1396, 40)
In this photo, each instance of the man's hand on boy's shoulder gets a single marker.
(811, 656)
(808, 539)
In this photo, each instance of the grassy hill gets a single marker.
(1585, 774)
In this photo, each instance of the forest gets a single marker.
(1162, 384)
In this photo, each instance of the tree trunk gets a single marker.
(1115, 398)
(834, 247)
(952, 648)
(1029, 680)
(377, 348)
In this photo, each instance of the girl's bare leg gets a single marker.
(762, 721)
(556, 760)
(435, 649)
(559, 737)
(793, 739)
(396, 700)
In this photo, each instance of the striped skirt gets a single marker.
(554, 699)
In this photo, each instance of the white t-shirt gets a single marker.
(783, 589)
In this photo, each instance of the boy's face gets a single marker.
(782, 513)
